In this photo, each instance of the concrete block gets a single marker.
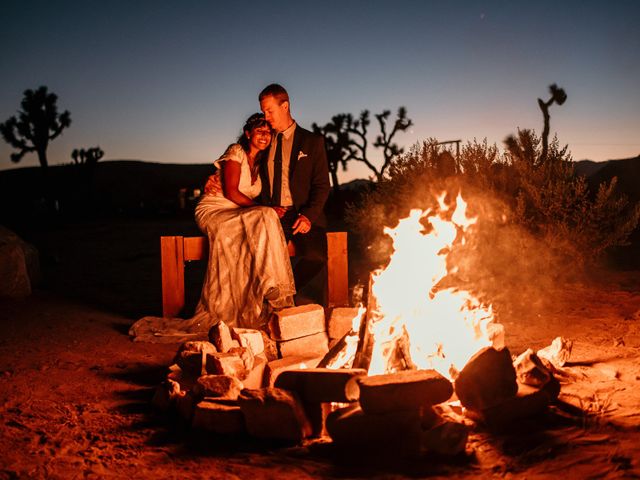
(311, 345)
(219, 386)
(250, 338)
(256, 376)
(341, 321)
(225, 364)
(296, 322)
(275, 367)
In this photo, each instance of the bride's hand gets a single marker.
(280, 211)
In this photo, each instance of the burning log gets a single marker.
(487, 380)
(335, 350)
(365, 336)
(274, 413)
(407, 390)
(318, 385)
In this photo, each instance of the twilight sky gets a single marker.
(173, 82)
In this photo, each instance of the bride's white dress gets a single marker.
(248, 261)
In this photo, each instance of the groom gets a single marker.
(295, 181)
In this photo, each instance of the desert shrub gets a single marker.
(537, 220)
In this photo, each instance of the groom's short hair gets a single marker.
(276, 91)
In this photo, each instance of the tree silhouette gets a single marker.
(38, 122)
(558, 96)
(86, 161)
(347, 139)
(87, 157)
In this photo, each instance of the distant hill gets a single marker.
(126, 187)
(628, 173)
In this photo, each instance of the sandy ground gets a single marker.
(75, 391)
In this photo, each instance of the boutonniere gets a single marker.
(301, 154)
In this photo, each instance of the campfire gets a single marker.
(420, 364)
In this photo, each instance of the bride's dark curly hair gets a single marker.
(254, 121)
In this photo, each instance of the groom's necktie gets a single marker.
(277, 172)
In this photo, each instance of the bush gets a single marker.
(537, 220)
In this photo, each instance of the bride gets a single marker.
(249, 272)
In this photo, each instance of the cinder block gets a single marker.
(275, 367)
(256, 378)
(220, 336)
(249, 337)
(341, 321)
(225, 364)
(311, 345)
(296, 322)
(219, 386)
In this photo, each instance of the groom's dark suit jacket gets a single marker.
(308, 176)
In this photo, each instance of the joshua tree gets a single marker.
(38, 122)
(87, 157)
(348, 136)
(558, 96)
(337, 144)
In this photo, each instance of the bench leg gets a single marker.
(172, 264)
(337, 270)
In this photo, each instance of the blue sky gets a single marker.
(172, 82)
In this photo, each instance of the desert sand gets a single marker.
(75, 391)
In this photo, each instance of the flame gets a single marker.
(434, 327)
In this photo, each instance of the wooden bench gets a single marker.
(175, 251)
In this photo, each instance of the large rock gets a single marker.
(273, 413)
(488, 379)
(218, 417)
(19, 265)
(393, 433)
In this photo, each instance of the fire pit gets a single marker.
(409, 374)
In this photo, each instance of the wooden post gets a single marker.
(337, 270)
(172, 263)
